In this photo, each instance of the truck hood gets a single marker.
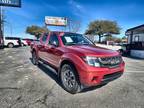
(92, 50)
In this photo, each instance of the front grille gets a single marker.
(110, 62)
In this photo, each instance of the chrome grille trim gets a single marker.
(110, 61)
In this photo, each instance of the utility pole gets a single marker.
(10, 26)
(1, 31)
(74, 25)
(69, 24)
(0, 21)
(3, 21)
(9, 3)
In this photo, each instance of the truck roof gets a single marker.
(61, 33)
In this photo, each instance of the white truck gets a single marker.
(123, 48)
(11, 42)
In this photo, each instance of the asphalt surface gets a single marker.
(23, 85)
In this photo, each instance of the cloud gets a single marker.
(76, 8)
(49, 6)
(75, 4)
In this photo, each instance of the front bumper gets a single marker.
(92, 76)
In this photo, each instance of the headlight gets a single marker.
(92, 61)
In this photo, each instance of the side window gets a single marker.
(136, 39)
(44, 38)
(6, 37)
(54, 40)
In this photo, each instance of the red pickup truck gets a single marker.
(78, 62)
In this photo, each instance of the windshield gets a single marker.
(75, 39)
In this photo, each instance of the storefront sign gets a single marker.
(56, 21)
(10, 3)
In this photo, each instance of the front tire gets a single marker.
(35, 60)
(121, 51)
(69, 79)
(22, 44)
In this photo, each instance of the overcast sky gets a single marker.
(128, 13)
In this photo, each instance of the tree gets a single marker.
(36, 30)
(124, 37)
(111, 38)
(103, 28)
(74, 26)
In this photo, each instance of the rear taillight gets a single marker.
(18, 42)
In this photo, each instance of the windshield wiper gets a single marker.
(78, 44)
(86, 44)
(71, 44)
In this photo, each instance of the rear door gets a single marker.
(53, 50)
(41, 47)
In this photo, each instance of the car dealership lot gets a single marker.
(23, 85)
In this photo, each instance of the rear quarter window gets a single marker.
(44, 38)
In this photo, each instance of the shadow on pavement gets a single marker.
(92, 88)
(50, 73)
(13, 47)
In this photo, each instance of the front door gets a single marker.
(53, 52)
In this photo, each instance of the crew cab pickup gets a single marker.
(78, 62)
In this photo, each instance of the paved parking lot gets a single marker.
(23, 85)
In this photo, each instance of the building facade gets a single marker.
(136, 41)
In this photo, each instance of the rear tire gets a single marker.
(121, 51)
(69, 79)
(22, 45)
(35, 60)
(10, 45)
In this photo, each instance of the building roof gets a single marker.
(137, 29)
(134, 28)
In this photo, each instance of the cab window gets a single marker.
(54, 40)
(44, 38)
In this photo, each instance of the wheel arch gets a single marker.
(34, 50)
(10, 43)
(68, 61)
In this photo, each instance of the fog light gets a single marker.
(94, 79)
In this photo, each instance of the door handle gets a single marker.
(52, 47)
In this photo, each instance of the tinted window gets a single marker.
(12, 38)
(53, 39)
(44, 38)
(36, 40)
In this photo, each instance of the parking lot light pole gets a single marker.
(0, 21)
(11, 28)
